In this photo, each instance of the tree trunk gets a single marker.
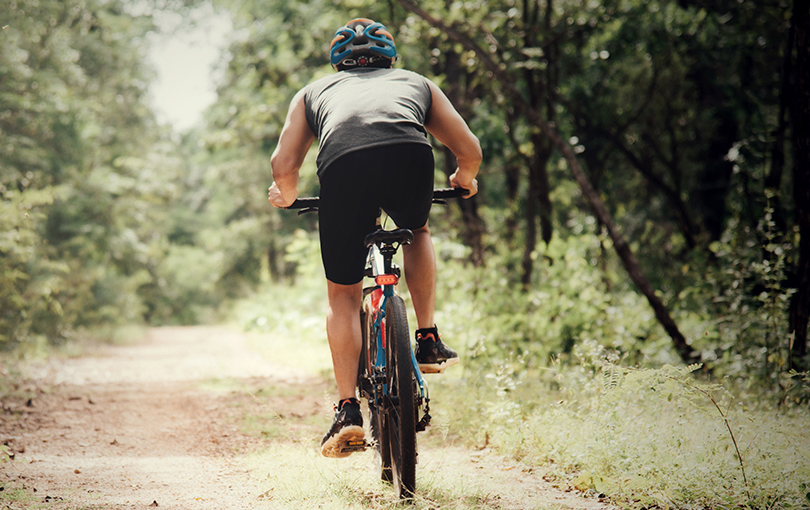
(538, 87)
(622, 248)
(527, 263)
(774, 178)
(538, 203)
(512, 173)
(800, 301)
(472, 233)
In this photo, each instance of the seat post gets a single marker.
(388, 252)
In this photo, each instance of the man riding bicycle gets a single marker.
(372, 123)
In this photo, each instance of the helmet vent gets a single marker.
(362, 38)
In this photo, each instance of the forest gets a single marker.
(644, 203)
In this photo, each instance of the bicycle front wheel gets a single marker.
(400, 410)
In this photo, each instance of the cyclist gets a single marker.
(372, 123)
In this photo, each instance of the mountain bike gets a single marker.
(388, 376)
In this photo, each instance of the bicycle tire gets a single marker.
(399, 413)
(379, 436)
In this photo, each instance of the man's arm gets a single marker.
(445, 123)
(293, 144)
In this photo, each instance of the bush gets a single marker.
(646, 438)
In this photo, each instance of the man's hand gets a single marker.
(279, 199)
(461, 180)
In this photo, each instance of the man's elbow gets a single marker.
(282, 166)
(472, 154)
(479, 153)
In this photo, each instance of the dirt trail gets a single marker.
(163, 423)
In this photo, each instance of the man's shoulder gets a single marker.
(407, 73)
(390, 72)
(352, 76)
(322, 82)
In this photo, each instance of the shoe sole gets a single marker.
(437, 368)
(349, 440)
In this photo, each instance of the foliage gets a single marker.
(647, 438)
(70, 108)
(290, 312)
(90, 184)
(125, 223)
(574, 300)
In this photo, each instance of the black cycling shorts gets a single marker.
(396, 178)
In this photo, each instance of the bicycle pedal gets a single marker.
(354, 446)
(423, 423)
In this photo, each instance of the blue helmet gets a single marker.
(362, 43)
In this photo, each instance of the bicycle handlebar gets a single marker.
(439, 197)
(447, 193)
(305, 203)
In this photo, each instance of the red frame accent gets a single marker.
(376, 299)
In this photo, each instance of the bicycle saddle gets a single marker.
(400, 235)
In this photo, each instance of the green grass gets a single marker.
(648, 438)
(291, 473)
(294, 475)
(10, 493)
(13, 496)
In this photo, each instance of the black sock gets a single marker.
(423, 333)
(347, 401)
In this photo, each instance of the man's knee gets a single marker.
(339, 293)
(421, 232)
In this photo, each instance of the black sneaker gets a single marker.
(431, 353)
(346, 435)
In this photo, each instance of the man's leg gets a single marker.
(343, 331)
(420, 275)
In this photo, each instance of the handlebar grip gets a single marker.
(305, 203)
(440, 196)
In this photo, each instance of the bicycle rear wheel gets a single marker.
(399, 413)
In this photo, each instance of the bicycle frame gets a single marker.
(385, 274)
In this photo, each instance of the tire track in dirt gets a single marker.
(131, 426)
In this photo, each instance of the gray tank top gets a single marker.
(363, 108)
